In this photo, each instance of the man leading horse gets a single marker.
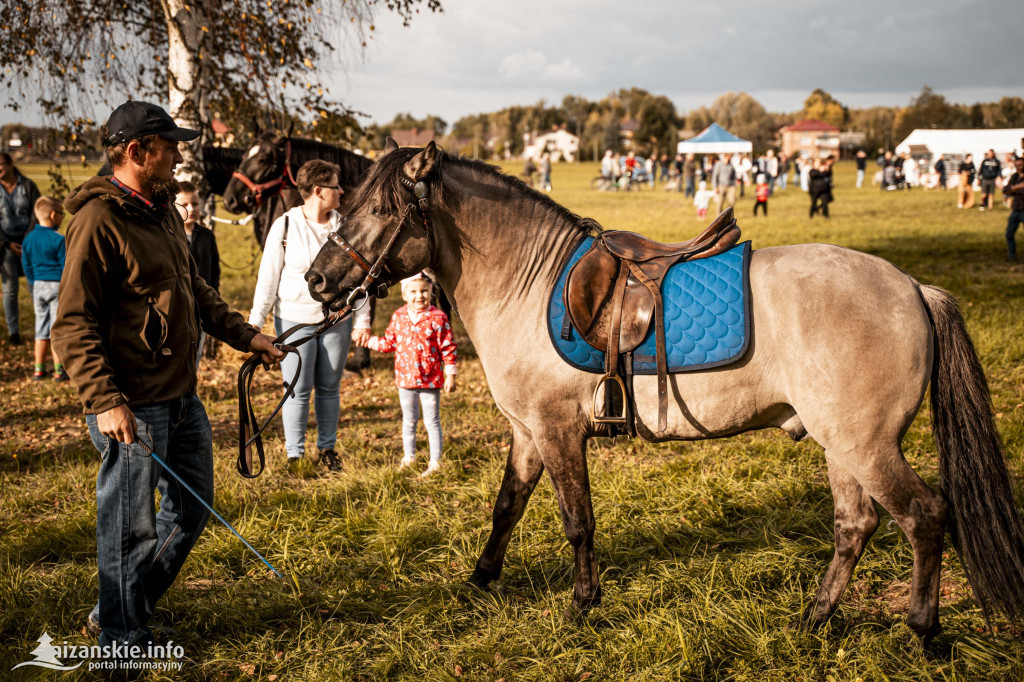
(130, 310)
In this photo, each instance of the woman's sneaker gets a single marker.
(431, 468)
(406, 462)
(330, 459)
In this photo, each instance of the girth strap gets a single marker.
(659, 338)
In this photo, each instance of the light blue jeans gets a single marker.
(323, 363)
(430, 400)
(44, 297)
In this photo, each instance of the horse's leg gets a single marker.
(571, 480)
(921, 514)
(855, 522)
(522, 471)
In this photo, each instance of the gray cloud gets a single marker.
(481, 55)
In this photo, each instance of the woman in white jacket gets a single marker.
(293, 242)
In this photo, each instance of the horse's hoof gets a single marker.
(923, 636)
(481, 579)
(576, 614)
(810, 620)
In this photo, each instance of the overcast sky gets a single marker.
(482, 55)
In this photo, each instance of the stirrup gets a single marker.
(604, 418)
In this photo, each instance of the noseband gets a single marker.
(374, 272)
(277, 184)
(250, 432)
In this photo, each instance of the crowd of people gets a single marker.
(129, 333)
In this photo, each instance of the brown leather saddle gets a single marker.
(614, 290)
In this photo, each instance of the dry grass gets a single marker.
(707, 550)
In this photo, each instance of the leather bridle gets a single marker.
(250, 433)
(286, 179)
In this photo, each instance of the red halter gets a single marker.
(277, 184)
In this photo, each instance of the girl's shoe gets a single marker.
(406, 462)
(60, 376)
(431, 468)
(38, 376)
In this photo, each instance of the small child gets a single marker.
(42, 259)
(422, 337)
(762, 197)
(202, 243)
(702, 199)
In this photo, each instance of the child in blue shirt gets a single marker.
(42, 259)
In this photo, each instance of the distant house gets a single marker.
(627, 133)
(809, 138)
(559, 142)
(222, 135)
(413, 137)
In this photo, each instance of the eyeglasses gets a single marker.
(334, 187)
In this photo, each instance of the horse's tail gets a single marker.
(984, 522)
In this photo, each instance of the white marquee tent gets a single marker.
(954, 142)
(715, 140)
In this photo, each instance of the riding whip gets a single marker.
(206, 504)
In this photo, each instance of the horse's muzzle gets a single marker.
(318, 285)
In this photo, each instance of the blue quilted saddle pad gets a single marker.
(707, 316)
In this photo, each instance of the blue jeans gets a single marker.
(44, 297)
(430, 399)
(10, 271)
(1015, 221)
(783, 177)
(860, 178)
(139, 551)
(323, 362)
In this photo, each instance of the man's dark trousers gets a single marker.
(139, 551)
(1016, 220)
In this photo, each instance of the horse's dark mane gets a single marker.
(218, 165)
(382, 185)
(352, 165)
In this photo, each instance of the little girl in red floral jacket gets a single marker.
(421, 337)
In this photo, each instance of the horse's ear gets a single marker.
(419, 166)
(390, 145)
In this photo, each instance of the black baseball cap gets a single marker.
(135, 119)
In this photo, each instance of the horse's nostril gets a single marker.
(314, 279)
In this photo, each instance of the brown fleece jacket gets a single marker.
(131, 303)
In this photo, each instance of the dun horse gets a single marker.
(844, 346)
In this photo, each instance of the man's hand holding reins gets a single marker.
(261, 343)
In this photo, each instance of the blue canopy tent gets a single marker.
(715, 140)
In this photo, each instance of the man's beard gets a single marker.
(161, 191)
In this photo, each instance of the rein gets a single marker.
(250, 431)
(277, 184)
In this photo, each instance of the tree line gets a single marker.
(598, 123)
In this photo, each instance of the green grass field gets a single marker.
(707, 550)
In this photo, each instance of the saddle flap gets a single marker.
(588, 295)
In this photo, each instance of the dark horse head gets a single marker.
(386, 223)
(264, 182)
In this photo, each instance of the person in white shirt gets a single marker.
(293, 242)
